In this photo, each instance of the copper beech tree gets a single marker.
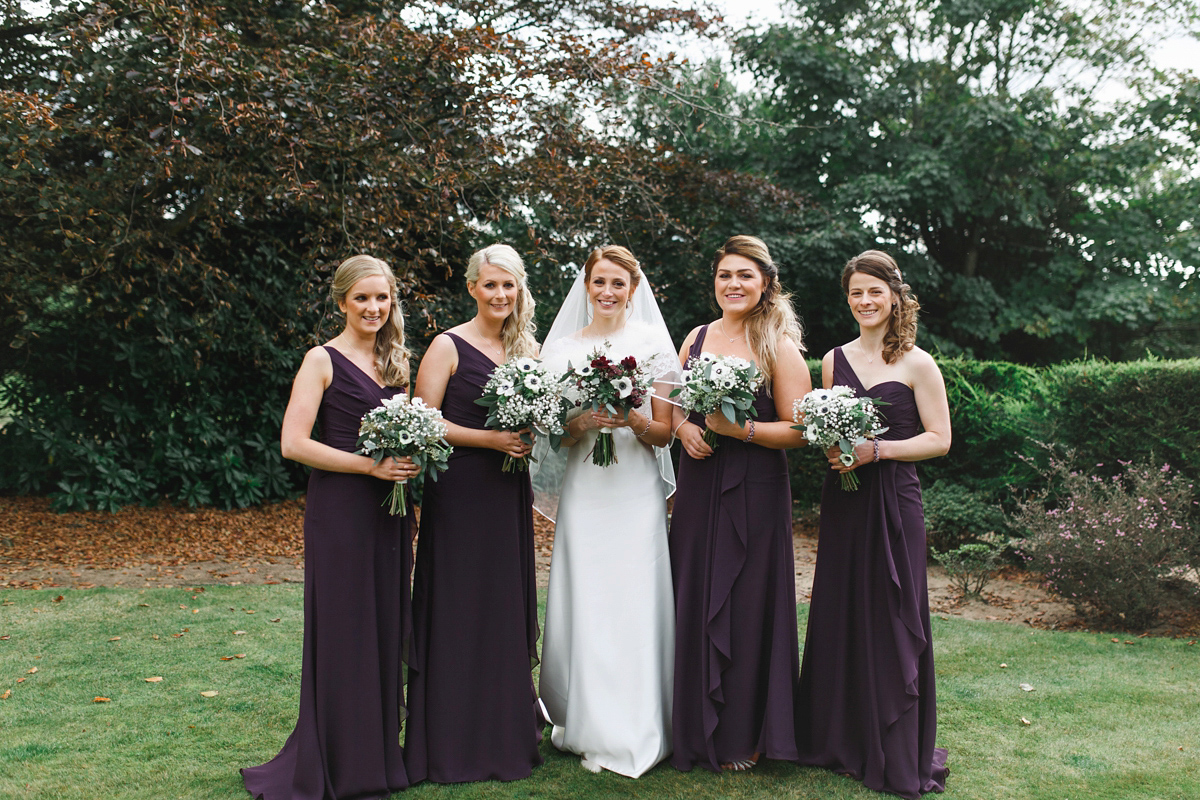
(175, 175)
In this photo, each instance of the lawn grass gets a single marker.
(1106, 720)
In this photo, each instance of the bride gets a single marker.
(608, 651)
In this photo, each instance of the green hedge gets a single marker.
(1136, 411)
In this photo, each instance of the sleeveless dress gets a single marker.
(473, 711)
(867, 706)
(736, 646)
(357, 560)
(608, 652)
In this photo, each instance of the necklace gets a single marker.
(863, 350)
(487, 341)
(725, 333)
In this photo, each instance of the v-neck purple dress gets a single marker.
(357, 560)
(475, 630)
(736, 647)
(867, 706)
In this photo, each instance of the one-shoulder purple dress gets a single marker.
(357, 560)
(867, 706)
(470, 684)
(736, 646)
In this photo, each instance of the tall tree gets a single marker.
(173, 172)
(1034, 171)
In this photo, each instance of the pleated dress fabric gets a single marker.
(736, 644)
(357, 560)
(473, 710)
(867, 704)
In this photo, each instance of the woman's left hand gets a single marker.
(717, 423)
(863, 454)
(407, 468)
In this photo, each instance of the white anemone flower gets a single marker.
(526, 364)
(585, 370)
(533, 382)
(624, 387)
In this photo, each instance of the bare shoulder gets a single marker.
(921, 366)
(827, 359)
(441, 346)
(317, 358)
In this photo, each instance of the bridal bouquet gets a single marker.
(837, 417)
(405, 426)
(726, 383)
(521, 395)
(616, 386)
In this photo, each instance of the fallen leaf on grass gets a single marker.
(143, 605)
(1025, 687)
(1025, 721)
(1192, 642)
(277, 619)
(155, 679)
(31, 670)
(239, 633)
(101, 699)
(1004, 666)
(58, 599)
(154, 636)
(20, 680)
(231, 658)
(185, 608)
(209, 693)
(5, 637)
(115, 639)
(7, 694)
(177, 635)
(1116, 641)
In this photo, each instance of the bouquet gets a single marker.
(405, 426)
(521, 395)
(616, 386)
(727, 383)
(837, 417)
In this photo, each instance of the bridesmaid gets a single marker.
(357, 558)
(473, 708)
(867, 705)
(736, 648)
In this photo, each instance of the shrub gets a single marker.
(1118, 544)
(971, 565)
(955, 515)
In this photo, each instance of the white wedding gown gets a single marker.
(609, 642)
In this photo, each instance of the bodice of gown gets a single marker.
(350, 395)
(466, 386)
(764, 404)
(899, 415)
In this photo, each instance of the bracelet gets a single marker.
(649, 422)
(750, 437)
(876, 443)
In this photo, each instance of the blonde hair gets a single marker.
(618, 255)
(391, 356)
(774, 316)
(517, 333)
(901, 335)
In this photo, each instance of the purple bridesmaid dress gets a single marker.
(867, 706)
(357, 560)
(473, 708)
(736, 647)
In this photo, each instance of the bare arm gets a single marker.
(296, 442)
(439, 363)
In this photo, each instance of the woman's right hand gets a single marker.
(510, 443)
(692, 436)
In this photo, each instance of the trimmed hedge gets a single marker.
(1135, 411)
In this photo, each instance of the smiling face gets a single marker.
(738, 284)
(608, 289)
(367, 305)
(870, 299)
(495, 292)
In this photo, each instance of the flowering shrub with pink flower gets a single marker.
(1120, 546)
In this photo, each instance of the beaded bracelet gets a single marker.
(649, 422)
(750, 436)
(876, 443)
